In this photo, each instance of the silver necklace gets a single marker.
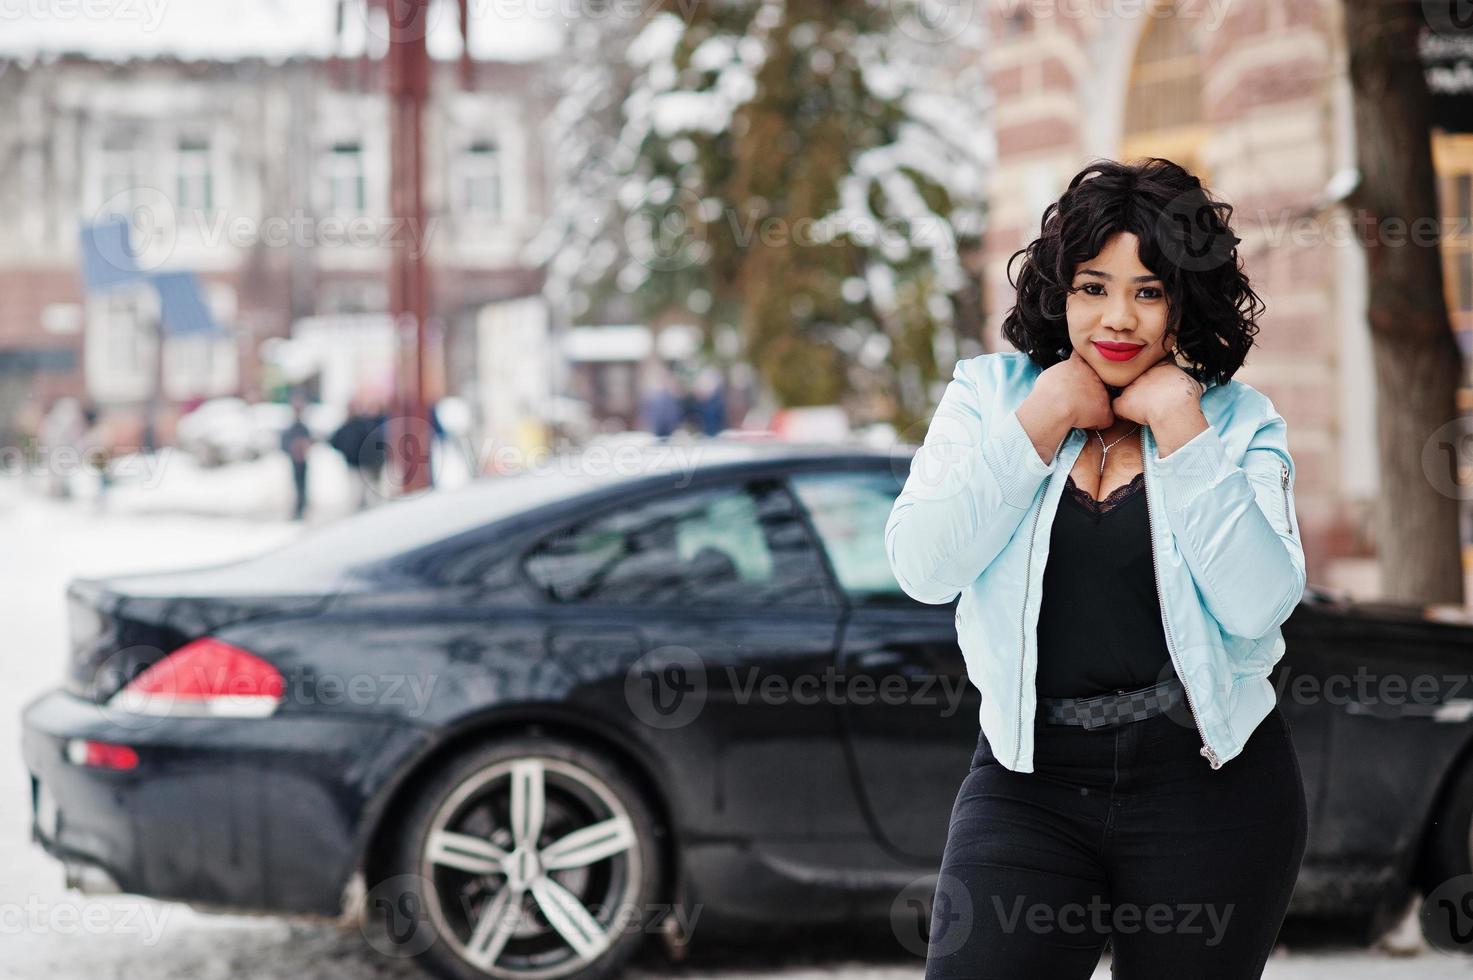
(1105, 449)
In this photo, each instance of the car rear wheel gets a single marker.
(535, 859)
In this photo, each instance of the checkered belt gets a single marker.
(1117, 708)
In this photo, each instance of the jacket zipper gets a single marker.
(1206, 750)
(1023, 629)
(1284, 482)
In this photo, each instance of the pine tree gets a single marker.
(805, 174)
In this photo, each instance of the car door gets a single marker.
(911, 738)
(739, 627)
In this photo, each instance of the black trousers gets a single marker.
(1125, 834)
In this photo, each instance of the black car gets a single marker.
(530, 722)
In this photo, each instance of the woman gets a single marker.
(1116, 514)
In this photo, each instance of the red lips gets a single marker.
(1116, 351)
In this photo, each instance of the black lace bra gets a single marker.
(1112, 500)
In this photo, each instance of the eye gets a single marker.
(1092, 285)
(1156, 293)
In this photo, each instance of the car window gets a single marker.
(732, 545)
(403, 524)
(849, 511)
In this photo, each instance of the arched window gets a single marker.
(1163, 105)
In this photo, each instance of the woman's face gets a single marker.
(1117, 313)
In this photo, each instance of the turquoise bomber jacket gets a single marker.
(974, 516)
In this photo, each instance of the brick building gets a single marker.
(1254, 98)
(267, 179)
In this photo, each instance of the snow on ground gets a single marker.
(187, 517)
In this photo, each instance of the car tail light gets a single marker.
(207, 677)
(100, 755)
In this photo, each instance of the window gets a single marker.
(27, 195)
(120, 343)
(1163, 107)
(194, 180)
(343, 176)
(478, 177)
(727, 546)
(849, 511)
(130, 340)
(352, 296)
(121, 168)
(417, 526)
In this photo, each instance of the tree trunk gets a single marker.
(1418, 365)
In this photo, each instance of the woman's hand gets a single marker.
(1168, 400)
(1158, 393)
(1066, 395)
(1075, 394)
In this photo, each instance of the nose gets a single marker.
(1119, 315)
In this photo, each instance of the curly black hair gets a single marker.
(1184, 238)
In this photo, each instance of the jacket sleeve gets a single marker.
(969, 487)
(1234, 525)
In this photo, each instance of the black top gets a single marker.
(1099, 626)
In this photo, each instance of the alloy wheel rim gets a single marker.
(530, 864)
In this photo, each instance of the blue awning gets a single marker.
(182, 305)
(108, 259)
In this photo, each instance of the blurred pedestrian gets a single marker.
(437, 438)
(61, 444)
(661, 408)
(96, 445)
(708, 400)
(452, 423)
(296, 442)
(361, 441)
